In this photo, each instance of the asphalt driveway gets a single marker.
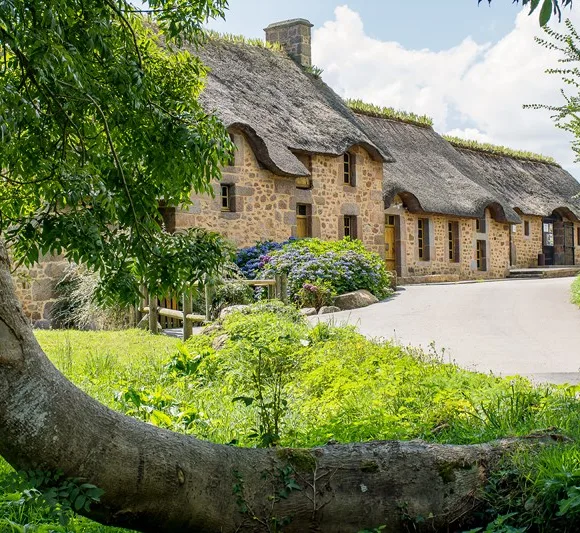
(524, 327)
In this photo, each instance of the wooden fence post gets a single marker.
(278, 287)
(153, 315)
(187, 310)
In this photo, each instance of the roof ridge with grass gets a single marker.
(372, 110)
(499, 150)
(213, 35)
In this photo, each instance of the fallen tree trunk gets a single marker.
(158, 481)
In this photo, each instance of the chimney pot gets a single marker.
(295, 37)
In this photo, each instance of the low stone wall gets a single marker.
(36, 286)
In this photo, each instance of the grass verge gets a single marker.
(321, 384)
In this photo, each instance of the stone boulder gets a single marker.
(328, 309)
(231, 309)
(308, 311)
(210, 329)
(354, 300)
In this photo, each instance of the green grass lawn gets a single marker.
(332, 384)
(576, 291)
(97, 362)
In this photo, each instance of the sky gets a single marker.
(471, 68)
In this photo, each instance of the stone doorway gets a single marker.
(558, 241)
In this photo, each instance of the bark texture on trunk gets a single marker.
(158, 481)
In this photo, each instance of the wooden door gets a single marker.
(302, 221)
(390, 243)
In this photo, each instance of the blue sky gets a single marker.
(471, 68)
(434, 24)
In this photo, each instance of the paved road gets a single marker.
(526, 327)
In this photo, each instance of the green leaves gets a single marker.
(99, 123)
(546, 12)
(566, 45)
(534, 5)
(548, 7)
(183, 19)
(61, 496)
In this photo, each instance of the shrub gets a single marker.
(317, 294)
(275, 307)
(263, 353)
(344, 266)
(231, 293)
(249, 260)
(76, 306)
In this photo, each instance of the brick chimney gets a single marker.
(294, 36)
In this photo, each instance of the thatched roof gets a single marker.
(279, 106)
(429, 174)
(364, 108)
(495, 149)
(532, 187)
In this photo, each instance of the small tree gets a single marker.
(99, 121)
(567, 45)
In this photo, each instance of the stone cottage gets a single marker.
(303, 167)
(309, 165)
(547, 199)
(440, 224)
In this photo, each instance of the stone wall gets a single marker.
(498, 249)
(439, 267)
(35, 287)
(527, 247)
(264, 204)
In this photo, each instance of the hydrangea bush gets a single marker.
(342, 266)
(250, 260)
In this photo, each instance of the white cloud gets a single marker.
(471, 90)
(472, 134)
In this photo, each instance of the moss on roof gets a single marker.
(389, 112)
(241, 39)
(499, 150)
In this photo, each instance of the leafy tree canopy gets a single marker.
(567, 45)
(547, 8)
(99, 121)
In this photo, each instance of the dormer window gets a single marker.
(349, 173)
